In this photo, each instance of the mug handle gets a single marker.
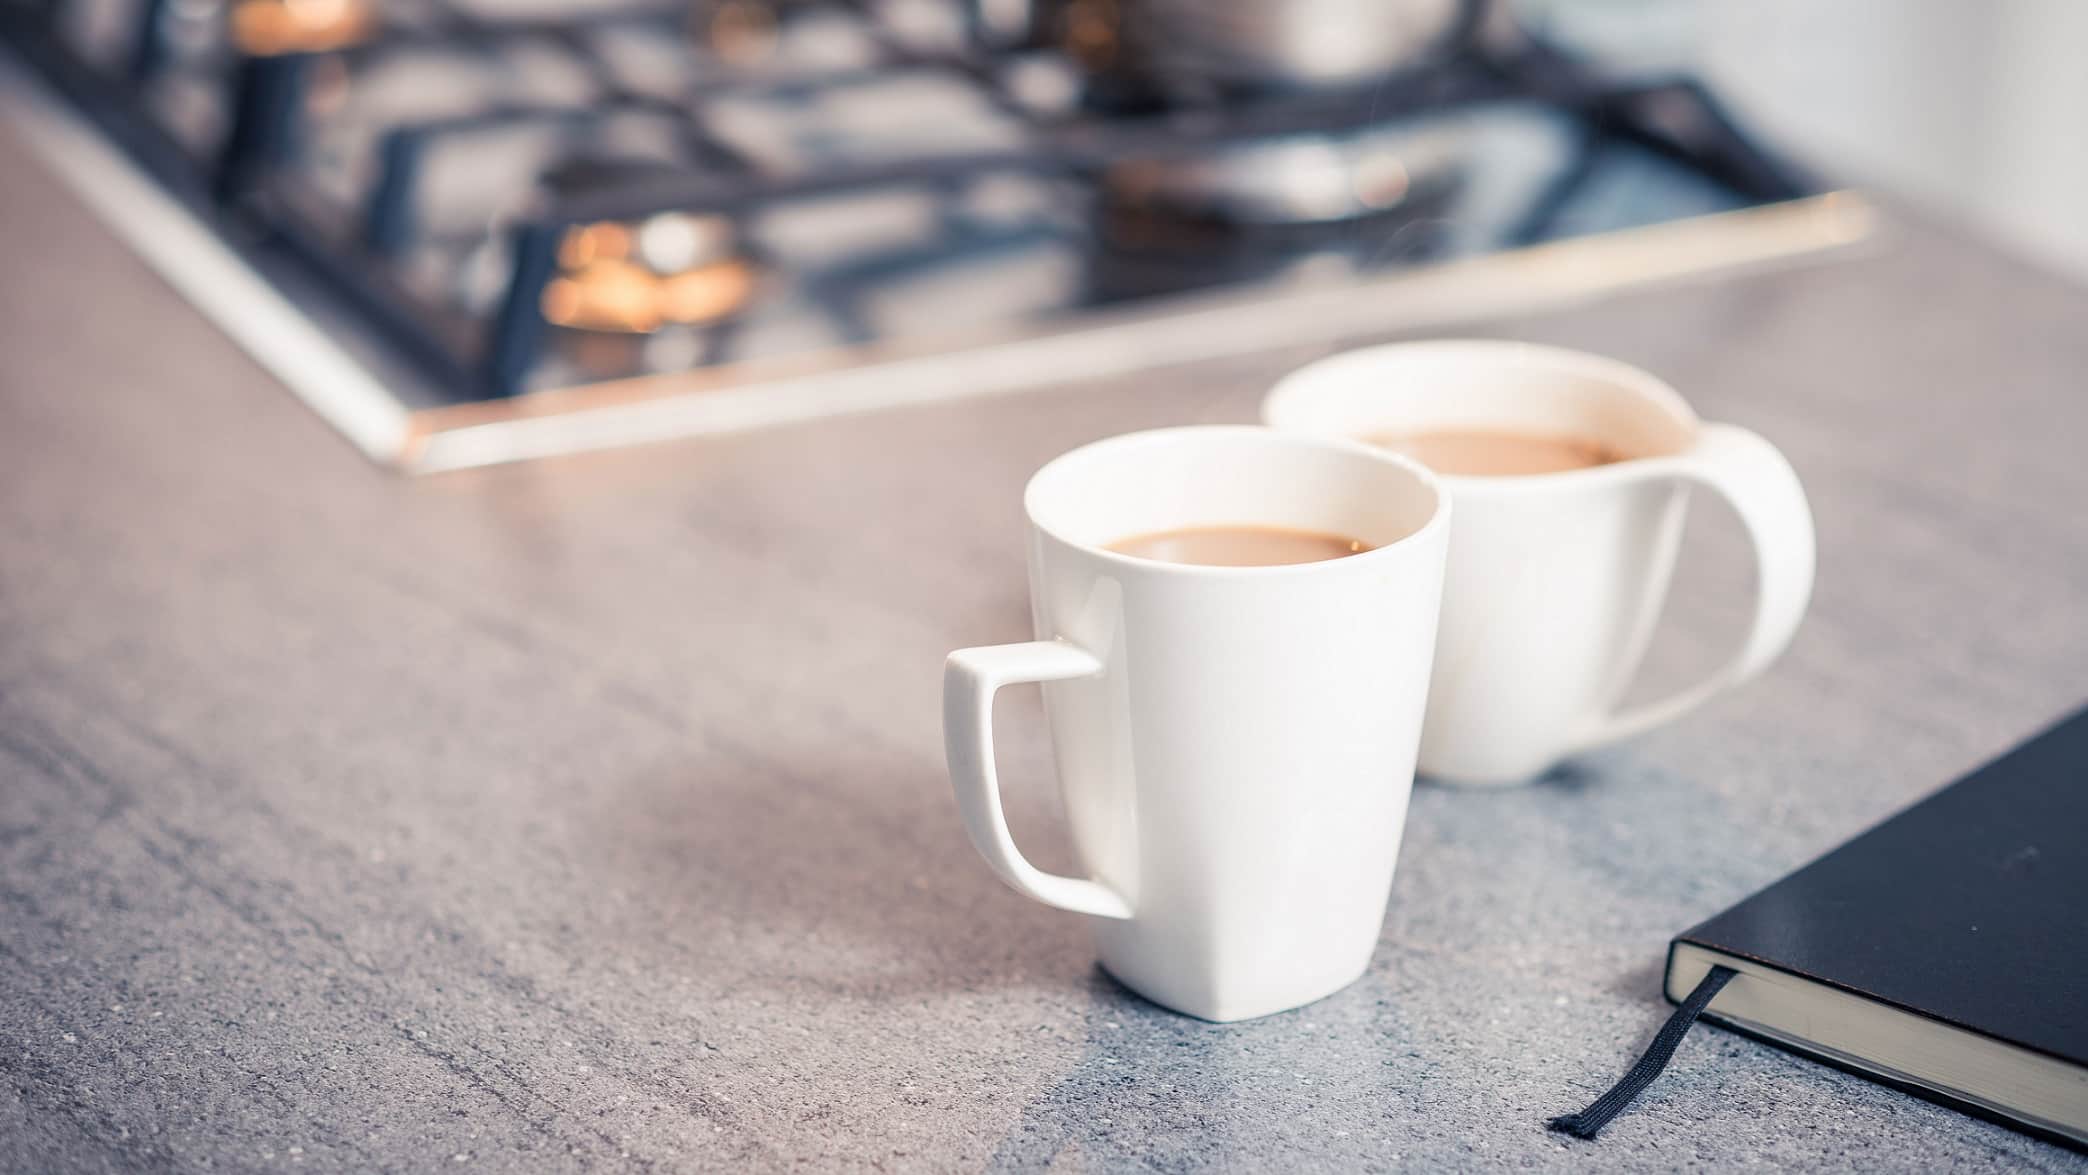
(1763, 489)
(970, 680)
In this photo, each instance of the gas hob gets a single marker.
(472, 231)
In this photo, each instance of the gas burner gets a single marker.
(1326, 204)
(670, 269)
(271, 28)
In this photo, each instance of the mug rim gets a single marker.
(1307, 383)
(1401, 547)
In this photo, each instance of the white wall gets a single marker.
(1974, 107)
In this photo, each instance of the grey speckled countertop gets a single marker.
(591, 814)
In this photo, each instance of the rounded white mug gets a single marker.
(1555, 580)
(1235, 745)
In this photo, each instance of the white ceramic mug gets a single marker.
(1556, 579)
(1235, 745)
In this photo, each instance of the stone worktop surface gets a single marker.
(590, 814)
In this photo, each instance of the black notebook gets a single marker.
(1944, 951)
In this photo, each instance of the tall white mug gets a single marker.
(1235, 745)
(1556, 580)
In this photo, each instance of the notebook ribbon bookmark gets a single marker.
(1589, 1122)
